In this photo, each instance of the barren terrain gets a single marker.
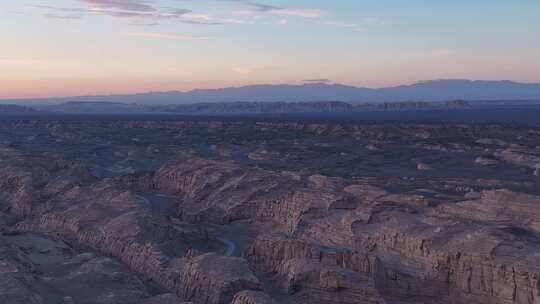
(247, 211)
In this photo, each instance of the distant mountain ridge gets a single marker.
(257, 108)
(434, 90)
(243, 108)
(10, 109)
(303, 107)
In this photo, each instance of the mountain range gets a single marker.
(434, 90)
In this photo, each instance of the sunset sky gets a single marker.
(79, 47)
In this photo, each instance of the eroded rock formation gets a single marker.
(268, 212)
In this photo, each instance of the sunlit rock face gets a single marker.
(248, 212)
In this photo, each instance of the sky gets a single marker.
(88, 47)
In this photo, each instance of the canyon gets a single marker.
(253, 211)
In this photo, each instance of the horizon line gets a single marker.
(303, 83)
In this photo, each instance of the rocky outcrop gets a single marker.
(222, 192)
(40, 268)
(313, 282)
(16, 276)
(446, 258)
(485, 161)
(252, 297)
(17, 191)
(116, 222)
(269, 252)
(503, 207)
(521, 157)
(408, 256)
(210, 278)
(27, 180)
(168, 298)
(423, 167)
(315, 274)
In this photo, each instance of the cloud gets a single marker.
(146, 13)
(305, 13)
(258, 6)
(255, 7)
(126, 5)
(169, 36)
(96, 10)
(194, 18)
(136, 15)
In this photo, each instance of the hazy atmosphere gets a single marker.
(270, 152)
(81, 47)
